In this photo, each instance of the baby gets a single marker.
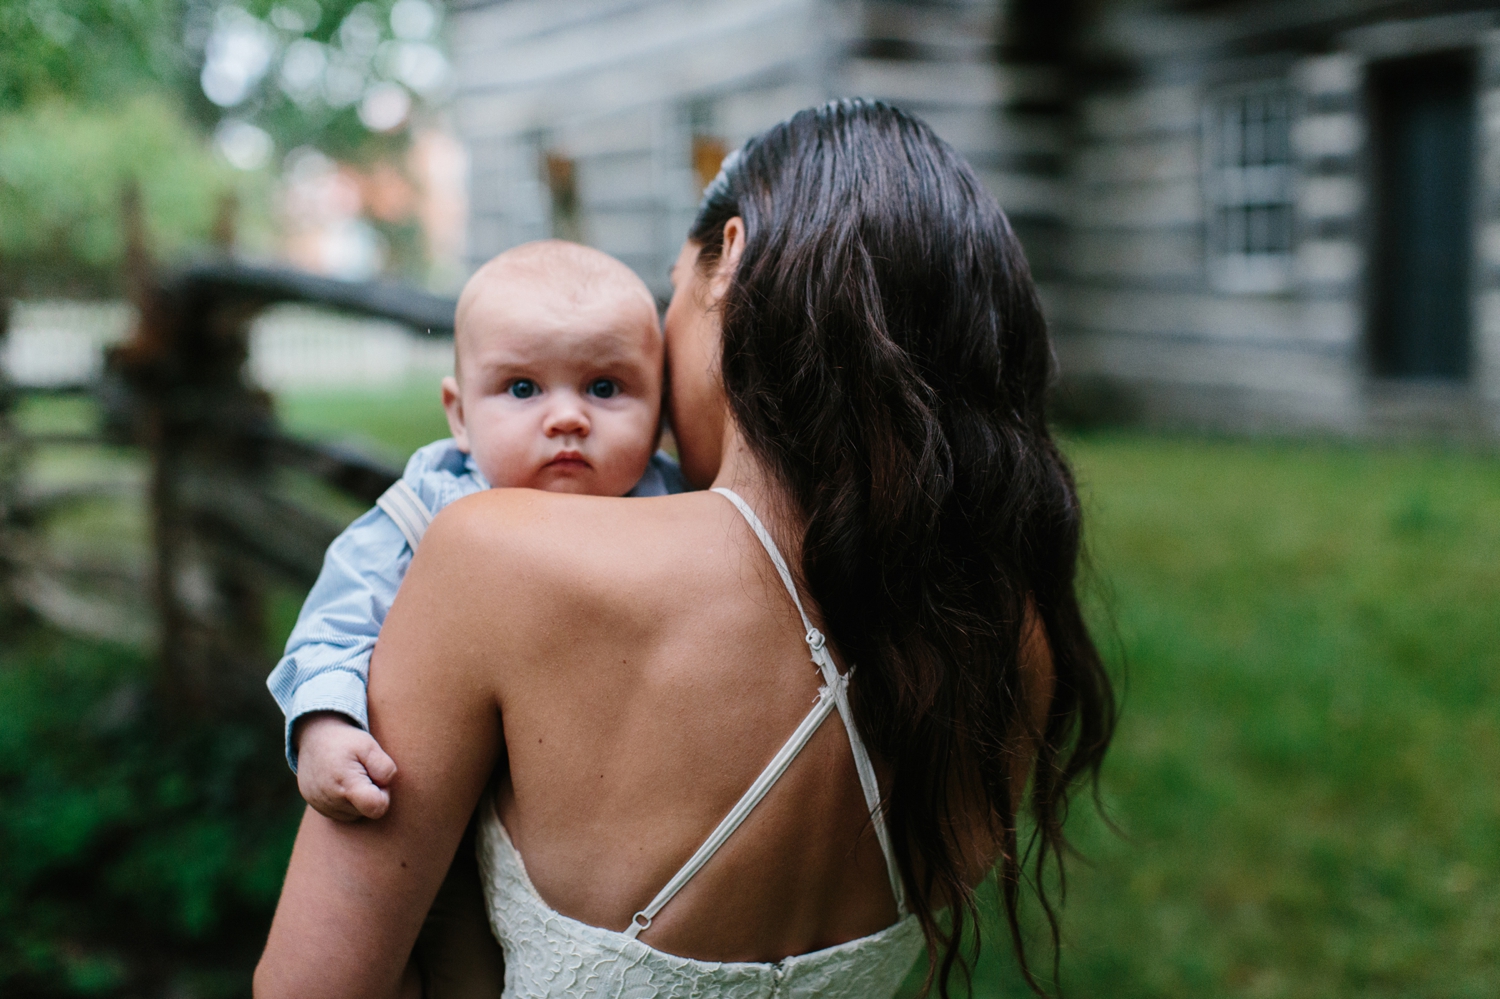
(557, 385)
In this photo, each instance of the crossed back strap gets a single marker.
(833, 695)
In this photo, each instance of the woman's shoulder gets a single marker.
(530, 518)
(559, 542)
(531, 578)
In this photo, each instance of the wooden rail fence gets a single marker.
(221, 528)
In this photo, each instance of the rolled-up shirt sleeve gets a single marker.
(327, 662)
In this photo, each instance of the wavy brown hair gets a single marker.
(886, 357)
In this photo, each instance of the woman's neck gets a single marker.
(742, 471)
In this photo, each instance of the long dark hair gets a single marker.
(886, 357)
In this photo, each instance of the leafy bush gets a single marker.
(128, 43)
(63, 168)
(143, 850)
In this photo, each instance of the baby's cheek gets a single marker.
(632, 444)
(505, 456)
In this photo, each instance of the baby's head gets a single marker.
(557, 371)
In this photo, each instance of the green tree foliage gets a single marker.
(92, 97)
(176, 94)
(304, 67)
(63, 167)
(87, 50)
(311, 74)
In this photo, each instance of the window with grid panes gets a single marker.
(1248, 187)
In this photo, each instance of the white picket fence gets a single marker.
(292, 348)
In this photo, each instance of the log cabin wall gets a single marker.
(1219, 275)
(580, 115)
(1204, 189)
(602, 120)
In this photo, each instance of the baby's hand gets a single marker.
(341, 770)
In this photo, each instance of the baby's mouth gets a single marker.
(568, 460)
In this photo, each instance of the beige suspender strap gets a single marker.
(402, 504)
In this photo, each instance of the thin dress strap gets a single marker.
(840, 685)
(833, 695)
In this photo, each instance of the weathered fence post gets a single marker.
(220, 528)
(11, 459)
(223, 527)
(177, 388)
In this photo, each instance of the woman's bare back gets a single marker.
(648, 663)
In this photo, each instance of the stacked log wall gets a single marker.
(621, 90)
(613, 89)
(1087, 122)
(1143, 331)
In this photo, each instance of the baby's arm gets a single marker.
(320, 683)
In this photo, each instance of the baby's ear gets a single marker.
(453, 408)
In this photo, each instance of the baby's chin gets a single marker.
(580, 481)
(579, 477)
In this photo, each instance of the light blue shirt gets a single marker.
(327, 662)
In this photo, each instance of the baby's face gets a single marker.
(557, 390)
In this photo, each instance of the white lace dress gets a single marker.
(550, 955)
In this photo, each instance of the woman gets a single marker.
(858, 358)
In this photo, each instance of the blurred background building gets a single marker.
(1280, 215)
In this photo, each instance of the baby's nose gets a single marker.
(567, 417)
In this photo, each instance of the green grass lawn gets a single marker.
(1307, 770)
(393, 422)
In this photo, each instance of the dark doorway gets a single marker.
(1423, 116)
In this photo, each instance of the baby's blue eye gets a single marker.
(523, 388)
(603, 388)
